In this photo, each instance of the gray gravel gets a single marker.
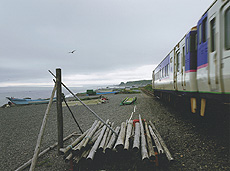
(195, 143)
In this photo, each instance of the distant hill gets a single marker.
(136, 83)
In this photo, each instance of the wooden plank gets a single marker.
(112, 141)
(90, 134)
(149, 143)
(128, 134)
(109, 136)
(168, 154)
(157, 143)
(144, 152)
(121, 138)
(136, 141)
(69, 147)
(96, 144)
(42, 130)
(59, 109)
(25, 165)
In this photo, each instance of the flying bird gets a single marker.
(72, 51)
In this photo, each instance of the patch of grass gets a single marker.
(128, 92)
(148, 87)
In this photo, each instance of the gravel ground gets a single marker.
(195, 143)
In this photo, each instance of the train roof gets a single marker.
(209, 8)
(192, 29)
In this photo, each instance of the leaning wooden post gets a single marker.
(42, 130)
(59, 109)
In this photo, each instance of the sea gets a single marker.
(38, 92)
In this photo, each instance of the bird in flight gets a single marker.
(72, 51)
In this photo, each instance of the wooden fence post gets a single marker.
(59, 109)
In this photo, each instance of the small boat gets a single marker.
(128, 100)
(26, 101)
(106, 91)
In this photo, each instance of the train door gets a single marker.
(176, 55)
(153, 80)
(225, 46)
(183, 68)
(213, 54)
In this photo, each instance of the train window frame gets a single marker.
(200, 34)
(212, 34)
(204, 30)
(227, 28)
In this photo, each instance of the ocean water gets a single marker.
(37, 92)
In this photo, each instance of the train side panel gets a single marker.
(225, 46)
(161, 75)
(213, 73)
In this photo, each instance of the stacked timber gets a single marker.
(139, 140)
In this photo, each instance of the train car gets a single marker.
(213, 53)
(198, 67)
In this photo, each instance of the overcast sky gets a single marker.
(115, 40)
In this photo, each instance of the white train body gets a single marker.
(199, 65)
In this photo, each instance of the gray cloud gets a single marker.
(107, 35)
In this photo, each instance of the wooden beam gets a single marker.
(69, 147)
(136, 141)
(112, 141)
(128, 134)
(42, 130)
(121, 138)
(97, 143)
(168, 154)
(25, 165)
(155, 139)
(149, 143)
(59, 109)
(144, 152)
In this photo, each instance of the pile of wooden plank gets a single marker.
(136, 139)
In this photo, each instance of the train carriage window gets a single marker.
(227, 29)
(192, 43)
(163, 69)
(167, 69)
(200, 34)
(212, 34)
(178, 62)
(204, 30)
(196, 41)
(162, 73)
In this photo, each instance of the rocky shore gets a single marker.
(195, 143)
